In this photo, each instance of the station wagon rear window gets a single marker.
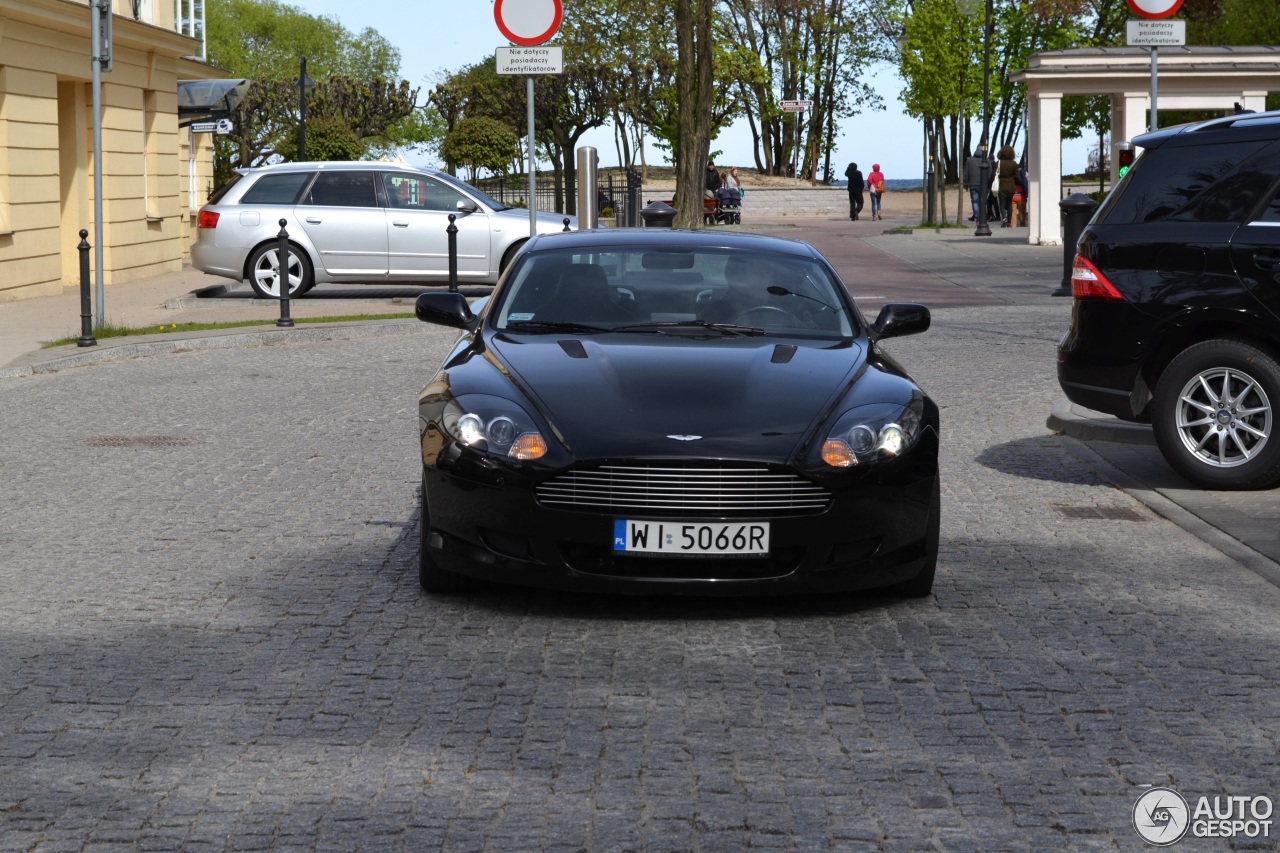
(277, 189)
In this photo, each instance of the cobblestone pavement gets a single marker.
(214, 640)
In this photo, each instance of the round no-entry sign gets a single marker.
(530, 22)
(1153, 9)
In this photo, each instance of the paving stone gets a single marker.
(218, 643)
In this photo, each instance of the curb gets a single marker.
(1088, 425)
(62, 358)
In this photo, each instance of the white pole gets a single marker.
(533, 166)
(1155, 60)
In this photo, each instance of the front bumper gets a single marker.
(874, 533)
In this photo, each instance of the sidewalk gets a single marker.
(189, 296)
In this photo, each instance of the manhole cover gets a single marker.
(138, 441)
(1111, 513)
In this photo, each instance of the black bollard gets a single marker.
(566, 224)
(1077, 209)
(86, 313)
(658, 214)
(282, 277)
(931, 202)
(452, 231)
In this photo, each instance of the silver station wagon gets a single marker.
(367, 223)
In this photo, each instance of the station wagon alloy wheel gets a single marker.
(264, 272)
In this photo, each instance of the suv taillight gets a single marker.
(1088, 283)
(207, 219)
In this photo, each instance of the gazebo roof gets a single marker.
(1094, 62)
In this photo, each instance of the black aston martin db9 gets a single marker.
(648, 410)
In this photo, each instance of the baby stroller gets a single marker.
(728, 206)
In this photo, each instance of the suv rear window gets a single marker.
(1201, 183)
(276, 189)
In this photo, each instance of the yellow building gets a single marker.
(154, 174)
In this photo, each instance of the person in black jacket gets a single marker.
(856, 186)
(713, 179)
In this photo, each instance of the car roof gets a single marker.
(668, 238)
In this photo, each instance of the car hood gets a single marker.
(631, 395)
(548, 223)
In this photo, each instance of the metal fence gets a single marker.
(619, 192)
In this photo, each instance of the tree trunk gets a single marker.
(694, 85)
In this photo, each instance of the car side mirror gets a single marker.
(900, 318)
(445, 309)
(467, 206)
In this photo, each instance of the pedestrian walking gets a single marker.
(993, 190)
(1007, 172)
(973, 180)
(856, 186)
(875, 186)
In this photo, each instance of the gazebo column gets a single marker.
(1256, 101)
(1128, 119)
(1044, 129)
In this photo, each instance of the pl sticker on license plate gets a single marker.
(679, 537)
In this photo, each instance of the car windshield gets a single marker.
(487, 200)
(701, 292)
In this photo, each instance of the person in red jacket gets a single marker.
(875, 185)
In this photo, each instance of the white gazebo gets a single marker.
(1188, 78)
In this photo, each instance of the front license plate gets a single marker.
(678, 537)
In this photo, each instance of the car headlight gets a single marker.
(493, 425)
(873, 432)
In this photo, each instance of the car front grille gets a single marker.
(692, 490)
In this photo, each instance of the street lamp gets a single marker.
(305, 85)
(969, 7)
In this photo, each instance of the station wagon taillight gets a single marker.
(207, 219)
(1088, 283)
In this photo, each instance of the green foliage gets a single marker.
(328, 138)
(266, 121)
(481, 143)
(421, 130)
(937, 60)
(264, 41)
(1234, 22)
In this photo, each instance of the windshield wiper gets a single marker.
(552, 326)
(723, 328)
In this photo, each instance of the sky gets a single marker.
(436, 36)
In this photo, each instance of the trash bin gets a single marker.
(1077, 209)
(658, 215)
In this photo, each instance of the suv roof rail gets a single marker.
(1237, 118)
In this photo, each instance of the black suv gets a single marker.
(1176, 319)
